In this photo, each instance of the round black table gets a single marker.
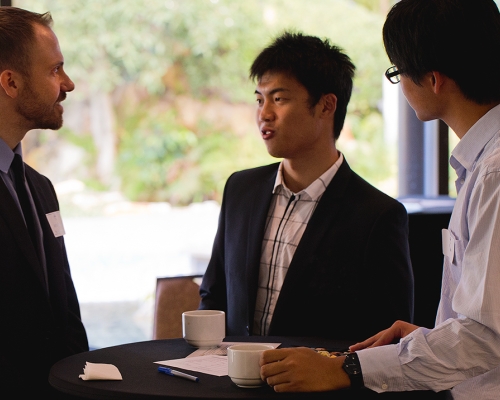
(141, 379)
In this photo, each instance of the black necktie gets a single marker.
(17, 167)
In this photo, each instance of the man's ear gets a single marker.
(437, 81)
(328, 104)
(10, 82)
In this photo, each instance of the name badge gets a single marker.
(448, 244)
(56, 223)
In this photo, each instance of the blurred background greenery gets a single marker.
(162, 114)
(163, 107)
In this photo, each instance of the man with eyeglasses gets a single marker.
(445, 55)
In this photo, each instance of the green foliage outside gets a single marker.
(146, 55)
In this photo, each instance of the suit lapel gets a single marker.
(322, 220)
(15, 222)
(259, 202)
(45, 200)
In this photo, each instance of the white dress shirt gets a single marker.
(463, 350)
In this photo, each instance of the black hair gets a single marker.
(320, 67)
(459, 38)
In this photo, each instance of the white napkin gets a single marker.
(100, 372)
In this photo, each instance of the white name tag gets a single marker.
(56, 223)
(448, 244)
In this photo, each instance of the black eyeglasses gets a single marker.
(392, 74)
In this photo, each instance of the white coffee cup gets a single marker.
(204, 328)
(243, 364)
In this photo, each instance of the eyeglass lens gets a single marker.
(392, 74)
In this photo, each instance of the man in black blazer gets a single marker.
(306, 247)
(39, 310)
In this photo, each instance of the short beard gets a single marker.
(40, 115)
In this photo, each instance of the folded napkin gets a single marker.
(100, 372)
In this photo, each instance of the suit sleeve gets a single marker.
(74, 335)
(213, 287)
(389, 275)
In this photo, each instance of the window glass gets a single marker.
(161, 115)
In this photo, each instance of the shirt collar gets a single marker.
(477, 137)
(7, 155)
(316, 188)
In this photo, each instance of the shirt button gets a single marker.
(385, 386)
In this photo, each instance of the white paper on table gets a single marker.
(211, 360)
(221, 349)
(211, 364)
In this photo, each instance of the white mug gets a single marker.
(243, 364)
(204, 328)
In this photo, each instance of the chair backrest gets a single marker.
(174, 295)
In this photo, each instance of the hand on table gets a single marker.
(398, 330)
(302, 369)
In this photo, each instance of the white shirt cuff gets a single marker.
(381, 369)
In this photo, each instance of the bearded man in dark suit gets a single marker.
(39, 310)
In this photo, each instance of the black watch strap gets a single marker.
(352, 367)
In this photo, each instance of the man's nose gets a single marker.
(67, 85)
(266, 112)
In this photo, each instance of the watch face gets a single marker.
(352, 367)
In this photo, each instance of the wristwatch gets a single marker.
(352, 368)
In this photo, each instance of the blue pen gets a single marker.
(173, 372)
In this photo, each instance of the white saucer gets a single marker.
(248, 383)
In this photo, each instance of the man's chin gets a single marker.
(52, 125)
(273, 152)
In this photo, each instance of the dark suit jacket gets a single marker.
(37, 328)
(350, 276)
